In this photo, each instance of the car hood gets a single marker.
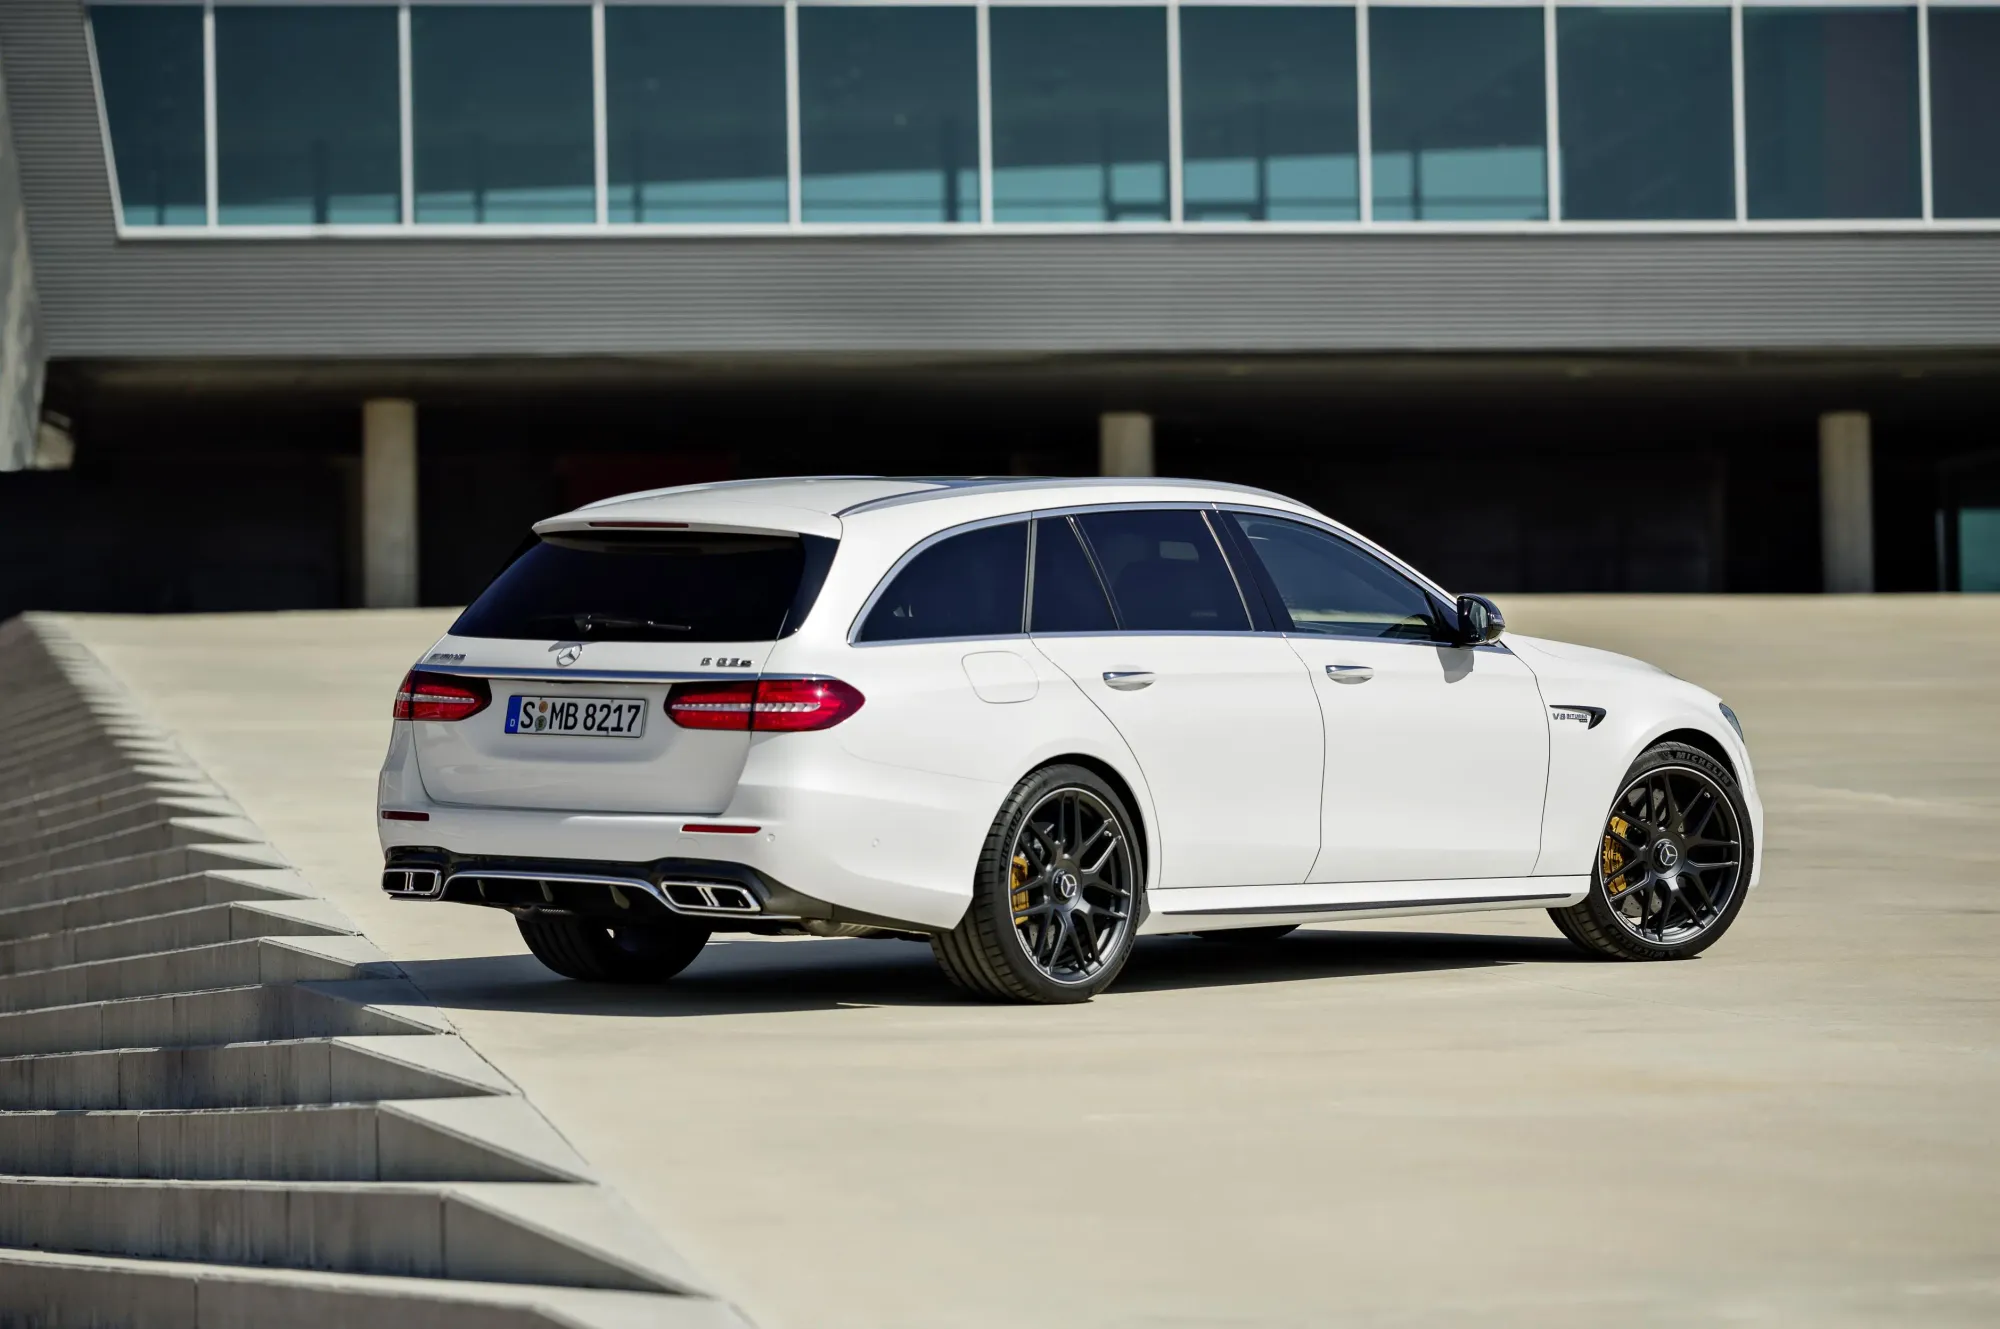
(1578, 660)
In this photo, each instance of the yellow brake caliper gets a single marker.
(1020, 882)
(1614, 859)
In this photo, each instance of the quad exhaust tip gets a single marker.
(412, 883)
(709, 897)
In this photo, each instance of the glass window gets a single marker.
(1335, 589)
(1648, 119)
(1459, 121)
(1068, 596)
(694, 104)
(502, 102)
(307, 122)
(642, 586)
(1830, 112)
(1965, 112)
(1165, 571)
(1268, 114)
(969, 585)
(888, 114)
(149, 61)
(1079, 114)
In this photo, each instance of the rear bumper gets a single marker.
(721, 893)
(883, 857)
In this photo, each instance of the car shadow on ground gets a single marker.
(749, 976)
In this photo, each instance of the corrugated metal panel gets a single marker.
(1130, 293)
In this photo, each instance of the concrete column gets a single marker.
(1846, 503)
(389, 504)
(1125, 443)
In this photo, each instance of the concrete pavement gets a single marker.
(1455, 1121)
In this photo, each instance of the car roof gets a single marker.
(843, 495)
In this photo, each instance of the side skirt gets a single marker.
(1205, 908)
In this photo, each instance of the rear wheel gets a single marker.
(598, 952)
(1056, 897)
(1250, 936)
(1673, 861)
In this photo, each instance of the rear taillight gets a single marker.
(773, 704)
(440, 697)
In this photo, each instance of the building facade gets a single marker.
(1631, 295)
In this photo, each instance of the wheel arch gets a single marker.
(1700, 741)
(1110, 774)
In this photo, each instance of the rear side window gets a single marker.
(651, 586)
(970, 585)
(1165, 571)
(1332, 588)
(1068, 595)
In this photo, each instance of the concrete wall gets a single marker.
(21, 347)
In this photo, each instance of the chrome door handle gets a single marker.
(1350, 673)
(1128, 680)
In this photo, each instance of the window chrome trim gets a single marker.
(1328, 526)
(937, 537)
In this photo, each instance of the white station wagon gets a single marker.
(1031, 720)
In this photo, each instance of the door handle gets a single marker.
(1128, 680)
(1350, 673)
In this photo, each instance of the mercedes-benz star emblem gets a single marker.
(1667, 854)
(1066, 885)
(567, 653)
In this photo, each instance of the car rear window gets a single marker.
(652, 586)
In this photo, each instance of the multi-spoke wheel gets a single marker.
(1055, 902)
(1672, 863)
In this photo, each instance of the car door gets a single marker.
(1142, 609)
(1437, 755)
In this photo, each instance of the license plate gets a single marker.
(577, 717)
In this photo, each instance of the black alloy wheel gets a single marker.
(1056, 901)
(1673, 861)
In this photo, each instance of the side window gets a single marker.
(1333, 588)
(1068, 596)
(1165, 571)
(970, 585)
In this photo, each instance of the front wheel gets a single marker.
(598, 952)
(1673, 861)
(1056, 897)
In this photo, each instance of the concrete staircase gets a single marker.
(219, 1105)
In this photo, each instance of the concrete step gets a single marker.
(105, 811)
(226, 965)
(253, 1014)
(204, 925)
(131, 902)
(55, 1291)
(164, 832)
(282, 1073)
(481, 1231)
(157, 865)
(45, 828)
(431, 1140)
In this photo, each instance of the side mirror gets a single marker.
(1479, 621)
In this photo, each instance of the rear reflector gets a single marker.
(392, 815)
(787, 705)
(717, 828)
(425, 696)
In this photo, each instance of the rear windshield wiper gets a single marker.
(591, 622)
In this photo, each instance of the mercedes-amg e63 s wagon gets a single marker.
(1029, 721)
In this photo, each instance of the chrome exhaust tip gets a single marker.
(412, 883)
(709, 897)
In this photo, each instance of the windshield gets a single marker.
(683, 586)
